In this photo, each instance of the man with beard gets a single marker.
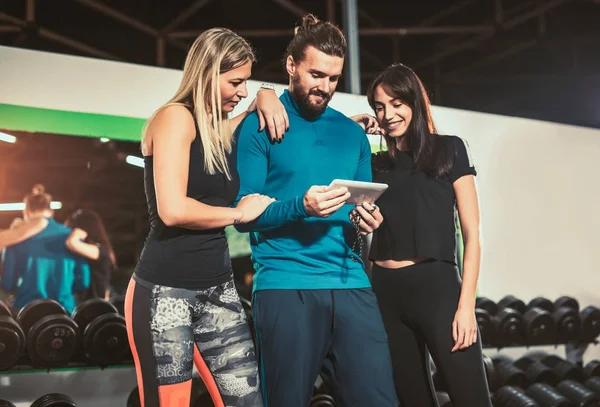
(312, 299)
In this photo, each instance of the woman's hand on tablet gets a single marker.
(370, 217)
(322, 202)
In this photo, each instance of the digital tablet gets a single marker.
(360, 191)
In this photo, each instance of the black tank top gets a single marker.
(185, 258)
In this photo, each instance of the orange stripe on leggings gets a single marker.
(175, 395)
(208, 379)
(129, 320)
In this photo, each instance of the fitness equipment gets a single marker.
(487, 327)
(590, 323)
(51, 334)
(592, 368)
(443, 399)
(511, 396)
(508, 323)
(563, 369)
(247, 305)
(547, 396)
(578, 393)
(513, 302)
(104, 331)
(6, 403)
(506, 373)
(12, 339)
(593, 384)
(536, 372)
(323, 400)
(540, 326)
(566, 316)
(54, 400)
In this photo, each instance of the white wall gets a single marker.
(538, 181)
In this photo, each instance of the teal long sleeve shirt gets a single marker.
(290, 249)
(42, 267)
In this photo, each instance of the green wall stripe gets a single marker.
(34, 119)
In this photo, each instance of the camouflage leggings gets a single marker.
(171, 329)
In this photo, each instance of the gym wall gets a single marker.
(537, 180)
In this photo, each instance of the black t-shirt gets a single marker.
(419, 210)
(185, 258)
(101, 270)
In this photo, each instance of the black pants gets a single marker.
(418, 304)
(298, 330)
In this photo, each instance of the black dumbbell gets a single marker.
(593, 383)
(51, 334)
(563, 369)
(54, 400)
(104, 331)
(592, 368)
(12, 338)
(540, 327)
(322, 400)
(590, 323)
(443, 399)
(536, 372)
(247, 305)
(506, 373)
(6, 403)
(486, 304)
(578, 393)
(487, 327)
(511, 396)
(510, 301)
(490, 371)
(566, 316)
(548, 396)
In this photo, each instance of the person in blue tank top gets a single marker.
(41, 266)
(312, 299)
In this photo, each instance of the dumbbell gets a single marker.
(593, 383)
(6, 403)
(322, 400)
(506, 373)
(443, 399)
(12, 338)
(547, 396)
(566, 316)
(51, 334)
(511, 396)
(536, 372)
(590, 323)
(487, 327)
(592, 368)
(540, 326)
(247, 305)
(105, 339)
(563, 369)
(54, 400)
(507, 323)
(578, 393)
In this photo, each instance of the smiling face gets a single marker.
(393, 114)
(314, 79)
(233, 86)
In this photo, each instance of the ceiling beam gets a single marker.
(185, 14)
(60, 39)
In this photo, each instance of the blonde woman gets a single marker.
(181, 306)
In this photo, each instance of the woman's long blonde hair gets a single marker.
(215, 51)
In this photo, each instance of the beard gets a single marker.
(310, 109)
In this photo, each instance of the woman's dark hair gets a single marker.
(90, 222)
(322, 35)
(431, 154)
(38, 200)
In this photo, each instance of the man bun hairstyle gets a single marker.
(322, 35)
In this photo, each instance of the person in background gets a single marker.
(90, 240)
(426, 306)
(41, 267)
